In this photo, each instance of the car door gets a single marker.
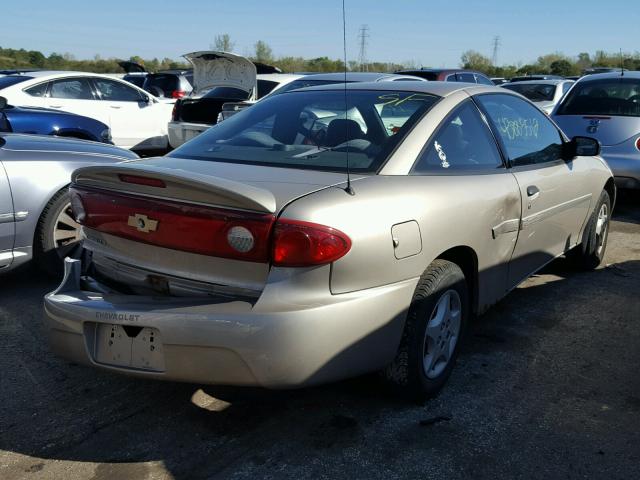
(75, 95)
(463, 151)
(136, 119)
(7, 222)
(554, 192)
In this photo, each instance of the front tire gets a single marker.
(57, 234)
(590, 252)
(435, 325)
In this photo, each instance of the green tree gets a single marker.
(563, 68)
(223, 43)
(263, 52)
(474, 60)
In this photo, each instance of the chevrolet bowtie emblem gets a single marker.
(142, 223)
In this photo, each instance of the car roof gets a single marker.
(617, 74)
(540, 82)
(441, 89)
(354, 76)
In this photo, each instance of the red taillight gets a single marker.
(178, 93)
(638, 143)
(138, 180)
(302, 244)
(190, 228)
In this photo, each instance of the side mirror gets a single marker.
(3, 103)
(581, 147)
(146, 99)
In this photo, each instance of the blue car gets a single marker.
(42, 121)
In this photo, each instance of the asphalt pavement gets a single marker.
(547, 386)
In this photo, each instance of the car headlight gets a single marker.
(106, 135)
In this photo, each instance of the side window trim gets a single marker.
(502, 146)
(502, 168)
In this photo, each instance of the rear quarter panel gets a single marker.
(451, 211)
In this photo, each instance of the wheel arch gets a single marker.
(610, 187)
(467, 259)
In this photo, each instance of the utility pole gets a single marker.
(363, 39)
(496, 45)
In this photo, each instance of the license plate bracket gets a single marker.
(138, 348)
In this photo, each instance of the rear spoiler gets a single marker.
(179, 185)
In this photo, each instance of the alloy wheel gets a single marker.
(442, 334)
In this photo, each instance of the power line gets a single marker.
(363, 36)
(496, 46)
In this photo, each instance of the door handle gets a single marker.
(115, 107)
(55, 106)
(533, 191)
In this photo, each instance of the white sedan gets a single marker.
(137, 119)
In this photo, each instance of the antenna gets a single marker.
(621, 64)
(349, 190)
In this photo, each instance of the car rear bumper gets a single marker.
(181, 132)
(625, 167)
(275, 344)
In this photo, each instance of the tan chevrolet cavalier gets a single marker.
(324, 233)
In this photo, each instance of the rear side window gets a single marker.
(463, 142)
(527, 134)
(265, 87)
(466, 77)
(72, 89)
(536, 92)
(611, 96)
(39, 90)
(481, 79)
(113, 91)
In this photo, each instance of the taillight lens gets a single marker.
(77, 207)
(638, 143)
(178, 94)
(303, 244)
(216, 232)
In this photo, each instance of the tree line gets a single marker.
(553, 63)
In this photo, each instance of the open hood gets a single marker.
(221, 69)
(131, 67)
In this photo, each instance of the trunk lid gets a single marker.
(609, 130)
(170, 232)
(221, 69)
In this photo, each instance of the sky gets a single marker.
(425, 32)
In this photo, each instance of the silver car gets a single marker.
(324, 233)
(35, 211)
(606, 106)
(544, 93)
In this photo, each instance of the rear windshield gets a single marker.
(161, 85)
(12, 80)
(612, 96)
(536, 92)
(313, 130)
(137, 80)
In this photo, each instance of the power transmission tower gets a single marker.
(496, 46)
(363, 38)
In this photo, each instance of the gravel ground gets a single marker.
(547, 386)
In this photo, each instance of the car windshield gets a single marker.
(313, 130)
(10, 80)
(536, 92)
(227, 93)
(303, 83)
(612, 96)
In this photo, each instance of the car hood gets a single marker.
(608, 130)
(221, 69)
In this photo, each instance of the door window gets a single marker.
(71, 88)
(483, 80)
(113, 91)
(466, 77)
(527, 134)
(463, 142)
(37, 90)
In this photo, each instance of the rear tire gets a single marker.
(57, 234)
(435, 326)
(590, 252)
